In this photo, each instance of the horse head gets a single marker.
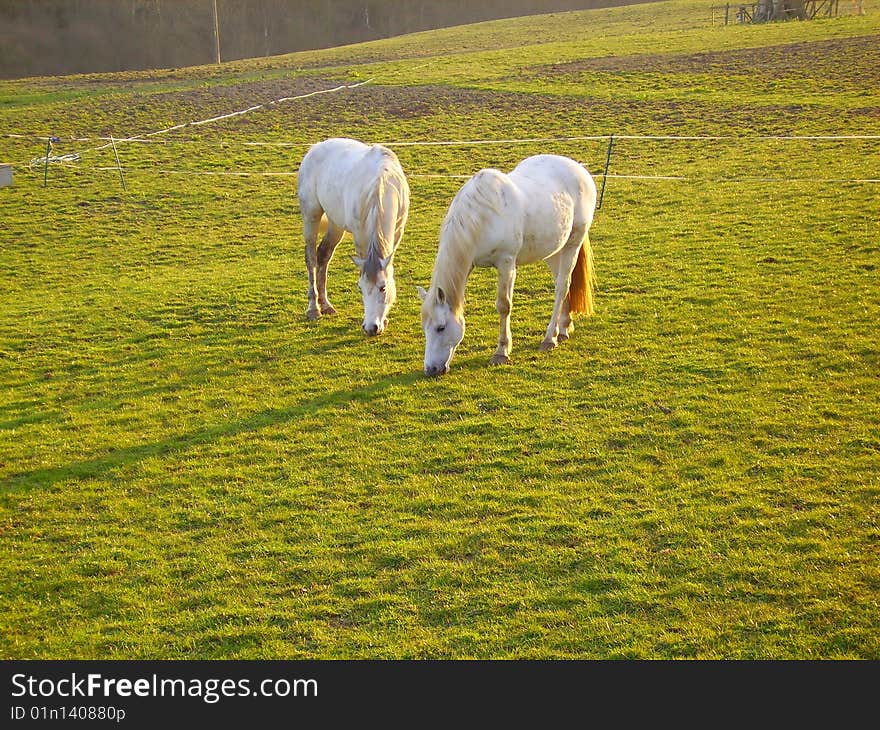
(378, 291)
(444, 330)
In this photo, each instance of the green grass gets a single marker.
(190, 469)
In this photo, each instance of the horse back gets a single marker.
(559, 198)
(341, 177)
(547, 177)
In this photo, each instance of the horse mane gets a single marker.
(384, 209)
(460, 231)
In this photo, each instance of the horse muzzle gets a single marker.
(374, 328)
(434, 370)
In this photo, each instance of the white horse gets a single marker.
(346, 185)
(541, 211)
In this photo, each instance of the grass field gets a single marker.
(190, 469)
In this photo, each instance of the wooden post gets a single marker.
(727, 14)
(216, 32)
(265, 29)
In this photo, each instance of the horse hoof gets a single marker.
(500, 360)
(547, 345)
(312, 314)
(563, 336)
(328, 309)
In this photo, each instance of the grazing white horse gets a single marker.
(541, 211)
(346, 185)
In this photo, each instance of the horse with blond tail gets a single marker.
(346, 185)
(541, 211)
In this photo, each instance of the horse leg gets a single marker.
(506, 279)
(325, 253)
(564, 264)
(310, 233)
(566, 324)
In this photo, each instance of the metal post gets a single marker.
(46, 166)
(118, 165)
(605, 175)
(216, 32)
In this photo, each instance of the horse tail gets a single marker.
(583, 279)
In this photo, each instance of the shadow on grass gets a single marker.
(28, 420)
(100, 466)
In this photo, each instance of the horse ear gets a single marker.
(422, 293)
(358, 262)
(441, 296)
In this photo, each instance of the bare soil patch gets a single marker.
(854, 62)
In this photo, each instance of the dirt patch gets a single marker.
(855, 61)
(549, 115)
(147, 110)
(451, 112)
(490, 111)
(217, 100)
(410, 102)
(261, 91)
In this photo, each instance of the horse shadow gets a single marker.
(100, 466)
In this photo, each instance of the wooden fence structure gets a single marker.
(764, 11)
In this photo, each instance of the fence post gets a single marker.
(727, 14)
(118, 165)
(605, 175)
(50, 142)
(46, 166)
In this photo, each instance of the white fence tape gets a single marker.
(451, 176)
(145, 137)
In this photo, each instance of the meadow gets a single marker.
(191, 470)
